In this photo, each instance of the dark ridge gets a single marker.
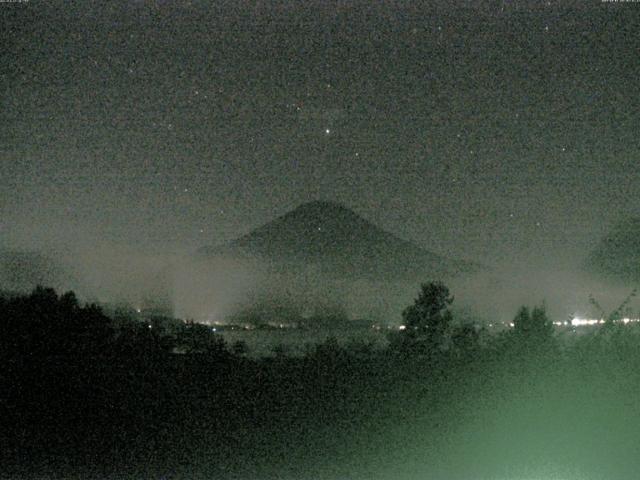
(617, 255)
(21, 270)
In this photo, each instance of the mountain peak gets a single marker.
(323, 209)
(323, 216)
(333, 237)
(321, 206)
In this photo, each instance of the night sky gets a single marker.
(481, 130)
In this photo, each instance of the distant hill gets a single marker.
(617, 255)
(21, 271)
(334, 240)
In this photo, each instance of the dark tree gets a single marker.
(465, 340)
(43, 323)
(240, 348)
(533, 325)
(427, 320)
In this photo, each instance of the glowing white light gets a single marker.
(578, 322)
(327, 131)
(402, 327)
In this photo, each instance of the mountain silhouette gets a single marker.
(23, 270)
(333, 239)
(617, 255)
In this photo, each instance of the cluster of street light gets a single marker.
(579, 322)
(576, 322)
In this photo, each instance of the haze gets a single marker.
(133, 135)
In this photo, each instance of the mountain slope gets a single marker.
(21, 271)
(617, 256)
(335, 240)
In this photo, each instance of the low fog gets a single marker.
(496, 295)
(215, 289)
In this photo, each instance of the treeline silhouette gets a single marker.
(90, 396)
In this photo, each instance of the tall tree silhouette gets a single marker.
(427, 320)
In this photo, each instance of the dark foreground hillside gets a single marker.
(82, 397)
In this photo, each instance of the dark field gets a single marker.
(82, 402)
